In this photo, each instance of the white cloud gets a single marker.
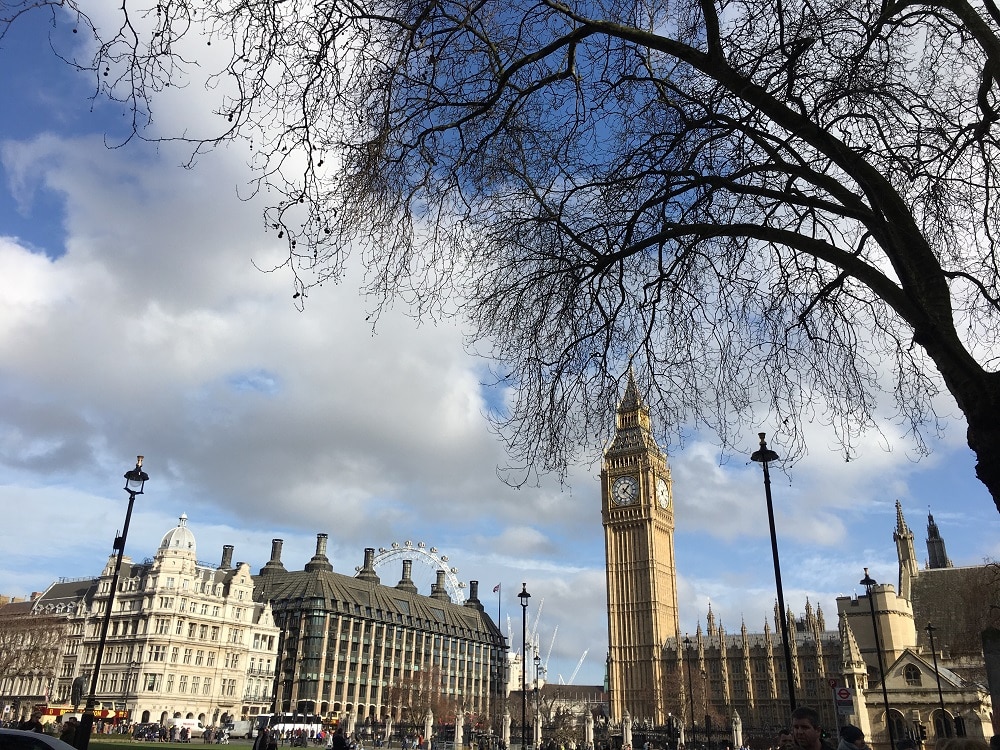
(153, 333)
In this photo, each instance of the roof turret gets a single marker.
(179, 540)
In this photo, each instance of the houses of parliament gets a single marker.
(657, 674)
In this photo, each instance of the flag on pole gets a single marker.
(496, 588)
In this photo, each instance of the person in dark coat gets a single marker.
(68, 732)
(32, 724)
(851, 738)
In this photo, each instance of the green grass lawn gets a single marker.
(117, 741)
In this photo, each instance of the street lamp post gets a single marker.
(868, 582)
(946, 725)
(763, 456)
(134, 481)
(523, 596)
(687, 649)
(538, 706)
(130, 679)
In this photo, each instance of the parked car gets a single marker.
(146, 731)
(16, 739)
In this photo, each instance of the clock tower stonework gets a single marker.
(638, 514)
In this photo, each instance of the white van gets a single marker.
(194, 726)
(240, 729)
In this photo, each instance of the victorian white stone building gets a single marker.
(185, 638)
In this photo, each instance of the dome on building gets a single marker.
(179, 538)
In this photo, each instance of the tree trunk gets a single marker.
(977, 393)
(984, 439)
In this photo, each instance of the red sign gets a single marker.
(100, 713)
(843, 694)
(833, 683)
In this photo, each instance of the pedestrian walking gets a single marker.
(851, 738)
(68, 732)
(806, 729)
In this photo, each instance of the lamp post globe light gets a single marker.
(763, 456)
(523, 596)
(945, 724)
(868, 582)
(135, 479)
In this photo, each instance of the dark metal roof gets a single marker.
(334, 592)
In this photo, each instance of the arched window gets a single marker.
(911, 673)
(942, 725)
(898, 724)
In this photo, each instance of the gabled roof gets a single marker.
(896, 679)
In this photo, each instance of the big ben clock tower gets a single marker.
(638, 513)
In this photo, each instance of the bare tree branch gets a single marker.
(772, 211)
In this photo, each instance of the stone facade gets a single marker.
(638, 515)
(30, 645)
(720, 674)
(917, 681)
(354, 647)
(659, 676)
(189, 639)
(185, 638)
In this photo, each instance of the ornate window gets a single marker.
(911, 674)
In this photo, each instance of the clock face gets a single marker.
(625, 491)
(662, 493)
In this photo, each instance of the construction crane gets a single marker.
(533, 630)
(578, 665)
(545, 666)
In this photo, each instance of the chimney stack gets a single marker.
(320, 561)
(367, 571)
(274, 564)
(438, 590)
(227, 557)
(406, 582)
(473, 599)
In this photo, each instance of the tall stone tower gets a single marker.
(908, 567)
(638, 513)
(937, 555)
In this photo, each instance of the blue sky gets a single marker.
(133, 320)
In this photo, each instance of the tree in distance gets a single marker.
(773, 211)
(29, 646)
